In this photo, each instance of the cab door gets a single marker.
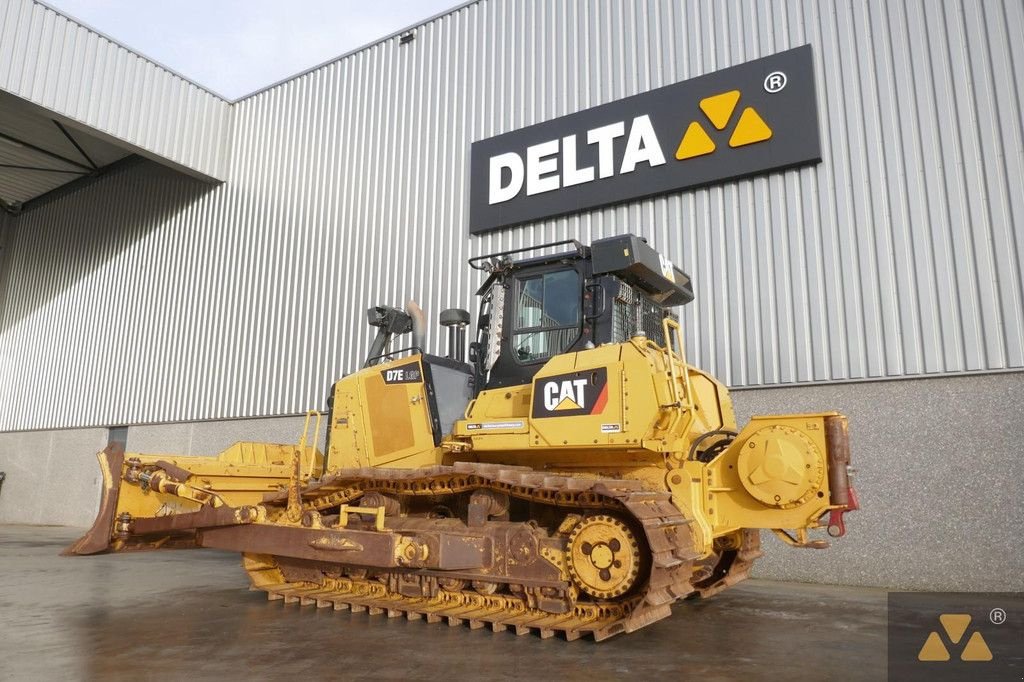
(543, 318)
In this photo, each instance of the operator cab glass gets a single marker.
(534, 308)
(547, 319)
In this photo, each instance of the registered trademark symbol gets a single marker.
(997, 616)
(775, 81)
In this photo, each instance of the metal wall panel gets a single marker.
(899, 255)
(57, 63)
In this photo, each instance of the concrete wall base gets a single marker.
(938, 464)
(52, 476)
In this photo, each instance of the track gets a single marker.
(732, 566)
(499, 612)
(668, 551)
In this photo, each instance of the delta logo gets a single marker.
(568, 395)
(554, 164)
(955, 626)
(737, 122)
(750, 128)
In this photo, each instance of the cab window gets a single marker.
(547, 317)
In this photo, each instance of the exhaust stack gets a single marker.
(419, 323)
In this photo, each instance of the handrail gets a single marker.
(390, 353)
(668, 326)
(477, 261)
(312, 445)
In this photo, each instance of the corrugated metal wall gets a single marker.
(70, 69)
(5, 221)
(145, 297)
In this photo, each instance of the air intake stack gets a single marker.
(456, 320)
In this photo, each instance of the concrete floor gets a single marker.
(188, 614)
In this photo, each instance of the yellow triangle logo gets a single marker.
(933, 649)
(694, 143)
(976, 649)
(750, 129)
(567, 404)
(955, 625)
(719, 108)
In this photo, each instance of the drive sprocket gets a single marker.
(603, 557)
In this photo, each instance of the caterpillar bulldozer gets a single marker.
(572, 475)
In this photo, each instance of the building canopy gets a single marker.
(73, 102)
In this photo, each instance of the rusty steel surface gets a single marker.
(97, 539)
(608, 556)
(532, 598)
(838, 438)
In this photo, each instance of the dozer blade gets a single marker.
(97, 539)
(160, 501)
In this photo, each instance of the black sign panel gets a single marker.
(744, 120)
(572, 394)
(408, 373)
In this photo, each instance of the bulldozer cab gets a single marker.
(577, 298)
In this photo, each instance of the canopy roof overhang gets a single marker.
(73, 102)
(40, 151)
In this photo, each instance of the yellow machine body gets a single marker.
(654, 407)
(374, 423)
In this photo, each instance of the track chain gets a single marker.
(739, 570)
(666, 531)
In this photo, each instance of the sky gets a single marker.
(234, 47)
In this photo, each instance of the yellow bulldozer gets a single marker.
(572, 474)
